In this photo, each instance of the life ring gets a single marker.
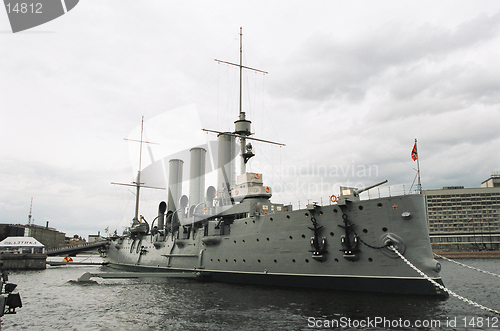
(236, 192)
(67, 259)
(215, 193)
(333, 198)
(265, 213)
(267, 189)
(205, 210)
(257, 176)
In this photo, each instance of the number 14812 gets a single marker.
(23, 8)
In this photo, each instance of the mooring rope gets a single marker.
(450, 292)
(467, 266)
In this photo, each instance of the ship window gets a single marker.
(360, 207)
(287, 217)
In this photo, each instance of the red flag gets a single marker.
(414, 152)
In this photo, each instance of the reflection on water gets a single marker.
(51, 302)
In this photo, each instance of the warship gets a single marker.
(235, 233)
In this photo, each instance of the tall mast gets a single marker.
(137, 184)
(242, 125)
(241, 69)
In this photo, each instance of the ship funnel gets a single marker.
(226, 165)
(197, 176)
(174, 183)
(161, 215)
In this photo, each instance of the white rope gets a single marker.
(442, 287)
(467, 266)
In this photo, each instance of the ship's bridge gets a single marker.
(250, 185)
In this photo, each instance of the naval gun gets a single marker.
(352, 194)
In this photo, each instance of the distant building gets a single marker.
(465, 218)
(49, 237)
(493, 181)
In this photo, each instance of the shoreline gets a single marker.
(470, 255)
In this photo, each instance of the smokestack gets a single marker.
(197, 176)
(174, 183)
(226, 164)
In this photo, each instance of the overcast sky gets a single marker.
(351, 85)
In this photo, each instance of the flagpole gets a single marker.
(419, 185)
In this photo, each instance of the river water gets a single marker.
(52, 302)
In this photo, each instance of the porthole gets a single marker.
(234, 260)
(211, 260)
(331, 234)
(235, 241)
(244, 261)
(384, 229)
(257, 239)
(320, 213)
(293, 260)
(360, 207)
(218, 260)
(303, 236)
(337, 260)
(370, 259)
(275, 261)
(290, 237)
(253, 221)
(365, 231)
(335, 210)
(246, 223)
(267, 239)
(226, 260)
(307, 261)
(287, 217)
(243, 241)
(379, 205)
(271, 219)
(258, 261)
(307, 214)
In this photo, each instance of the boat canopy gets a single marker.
(21, 245)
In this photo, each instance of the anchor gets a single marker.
(317, 245)
(349, 247)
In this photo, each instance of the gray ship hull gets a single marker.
(302, 248)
